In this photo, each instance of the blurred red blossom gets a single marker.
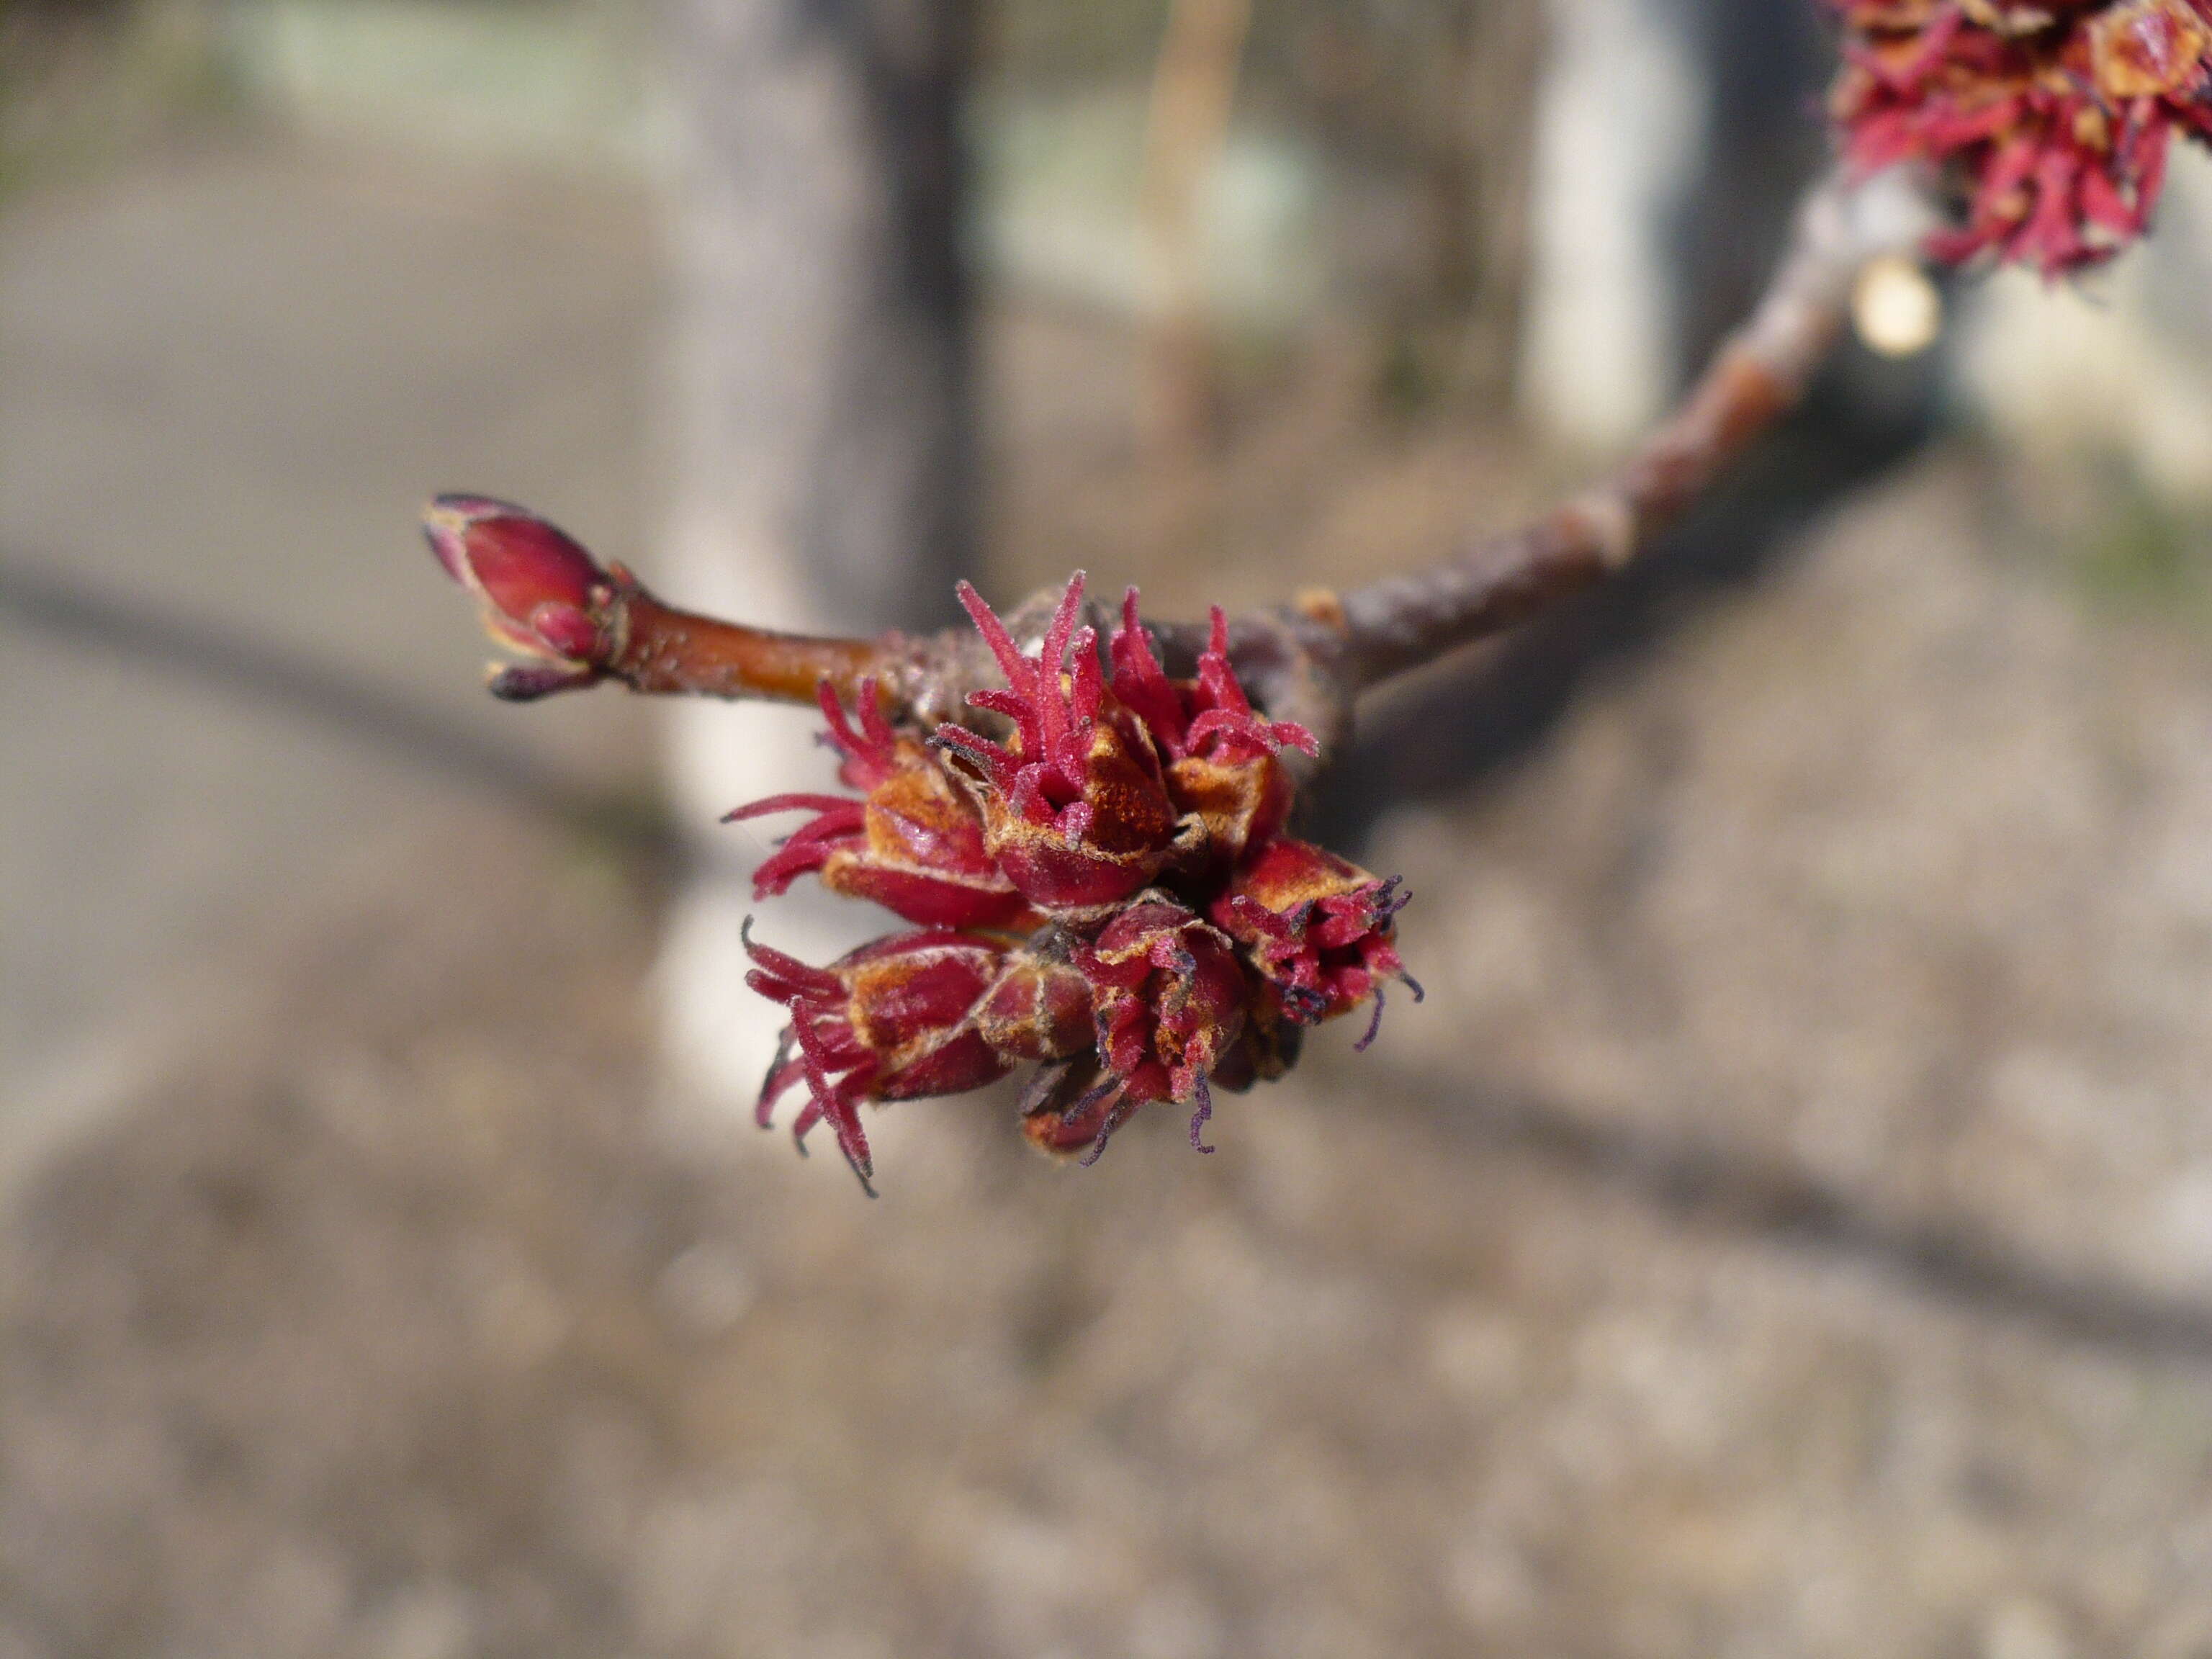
(2054, 116)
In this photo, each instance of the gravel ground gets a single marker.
(390, 1314)
(1782, 1232)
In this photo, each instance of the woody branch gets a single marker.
(1307, 661)
(1104, 882)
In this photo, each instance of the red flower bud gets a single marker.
(890, 1021)
(1220, 756)
(933, 1013)
(1268, 1047)
(1040, 1006)
(914, 846)
(541, 593)
(1168, 1000)
(1075, 811)
(1320, 928)
(1072, 1106)
(2056, 119)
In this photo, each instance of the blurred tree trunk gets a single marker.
(1480, 180)
(1186, 131)
(817, 426)
(1708, 226)
(822, 312)
(1764, 67)
(1440, 98)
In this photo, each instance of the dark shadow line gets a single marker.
(1680, 1178)
(271, 676)
(1704, 1185)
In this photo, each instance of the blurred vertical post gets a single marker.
(1194, 91)
(1674, 137)
(1762, 70)
(1427, 113)
(818, 428)
(1479, 182)
(1620, 130)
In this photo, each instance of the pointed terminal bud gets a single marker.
(1320, 928)
(914, 845)
(541, 593)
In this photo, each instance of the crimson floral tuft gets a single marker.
(1104, 889)
(1220, 757)
(1075, 808)
(935, 1012)
(1169, 999)
(914, 843)
(2054, 117)
(1319, 928)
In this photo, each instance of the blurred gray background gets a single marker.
(1785, 1229)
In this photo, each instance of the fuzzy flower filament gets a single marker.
(2055, 119)
(1105, 890)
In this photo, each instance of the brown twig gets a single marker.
(1759, 374)
(921, 679)
(1308, 660)
(668, 650)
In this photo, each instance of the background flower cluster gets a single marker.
(2054, 117)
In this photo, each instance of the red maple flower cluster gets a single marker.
(1098, 884)
(2054, 117)
(1102, 889)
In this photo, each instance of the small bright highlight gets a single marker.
(1896, 309)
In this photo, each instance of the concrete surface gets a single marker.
(228, 379)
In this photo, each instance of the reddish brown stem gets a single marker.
(669, 650)
(921, 679)
(1759, 374)
(1308, 660)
